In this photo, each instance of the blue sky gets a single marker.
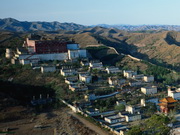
(91, 12)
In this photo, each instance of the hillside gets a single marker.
(161, 48)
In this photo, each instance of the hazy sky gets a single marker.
(90, 12)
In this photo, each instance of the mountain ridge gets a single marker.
(11, 24)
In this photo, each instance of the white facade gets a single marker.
(114, 119)
(149, 90)
(73, 54)
(148, 78)
(132, 117)
(29, 61)
(48, 69)
(8, 53)
(129, 73)
(85, 78)
(112, 70)
(78, 87)
(96, 65)
(67, 72)
(174, 93)
(135, 83)
(45, 57)
(130, 109)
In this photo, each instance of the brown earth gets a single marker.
(61, 122)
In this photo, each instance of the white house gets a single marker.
(96, 65)
(129, 73)
(71, 79)
(67, 72)
(78, 87)
(85, 77)
(116, 81)
(148, 78)
(92, 111)
(112, 70)
(174, 93)
(133, 83)
(132, 117)
(114, 119)
(149, 90)
(48, 69)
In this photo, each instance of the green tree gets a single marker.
(120, 107)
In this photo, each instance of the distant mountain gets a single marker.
(142, 27)
(11, 24)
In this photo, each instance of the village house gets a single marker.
(174, 93)
(129, 73)
(149, 90)
(132, 109)
(85, 77)
(151, 100)
(84, 62)
(96, 65)
(148, 78)
(114, 119)
(78, 87)
(132, 117)
(71, 79)
(116, 81)
(138, 77)
(67, 72)
(133, 83)
(112, 70)
(92, 111)
(48, 69)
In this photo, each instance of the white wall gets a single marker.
(54, 56)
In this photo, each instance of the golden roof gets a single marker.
(168, 100)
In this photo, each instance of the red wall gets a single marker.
(42, 47)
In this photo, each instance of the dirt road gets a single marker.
(91, 126)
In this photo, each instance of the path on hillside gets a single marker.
(90, 125)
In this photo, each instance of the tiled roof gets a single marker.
(168, 100)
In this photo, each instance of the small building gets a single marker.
(116, 81)
(132, 117)
(96, 65)
(78, 87)
(167, 104)
(132, 109)
(48, 69)
(29, 61)
(174, 93)
(92, 111)
(67, 72)
(133, 83)
(8, 53)
(149, 90)
(129, 73)
(85, 77)
(138, 77)
(89, 97)
(71, 79)
(114, 119)
(112, 70)
(148, 78)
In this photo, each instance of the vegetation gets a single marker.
(155, 125)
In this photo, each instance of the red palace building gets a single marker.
(45, 47)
